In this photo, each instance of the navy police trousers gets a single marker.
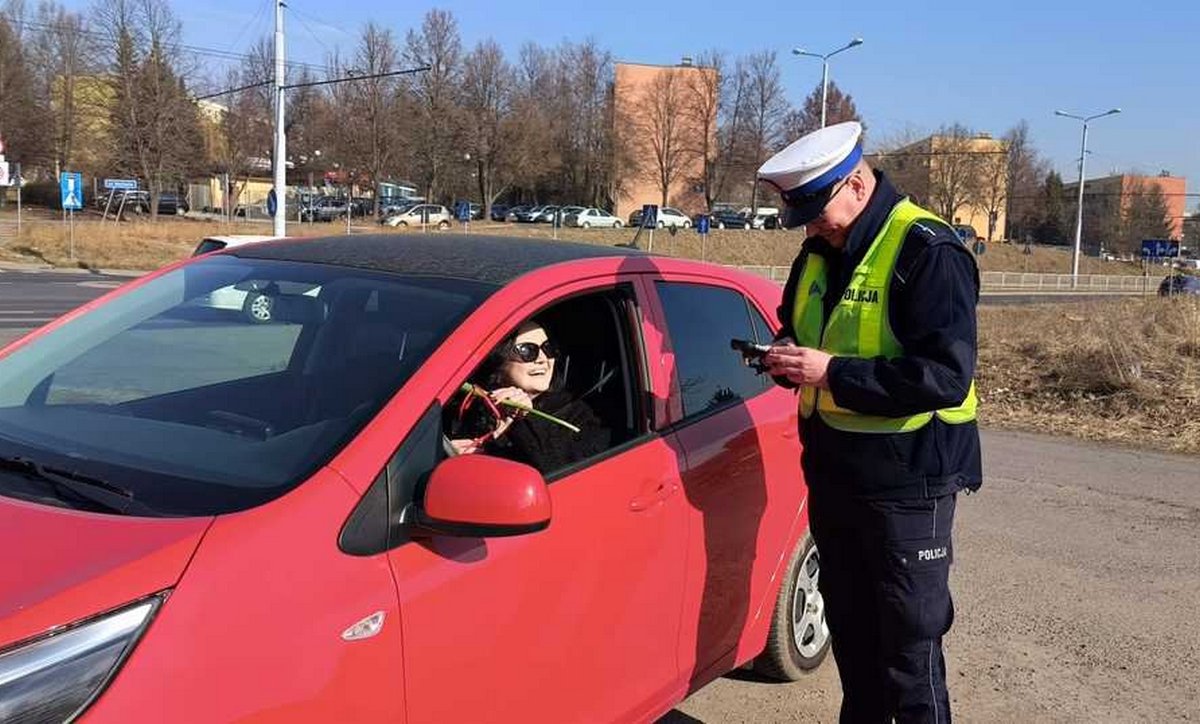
(885, 568)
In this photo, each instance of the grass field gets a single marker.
(1122, 370)
(146, 245)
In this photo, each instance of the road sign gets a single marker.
(272, 203)
(1159, 248)
(5, 179)
(121, 184)
(462, 211)
(70, 187)
(702, 224)
(649, 216)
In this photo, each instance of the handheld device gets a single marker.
(752, 352)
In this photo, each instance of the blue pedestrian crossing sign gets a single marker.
(702, 224)
(70, 187)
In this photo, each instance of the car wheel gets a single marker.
(586, 224)
(443, 224)
(746, 226)
(720, 224)
(662, 224)
(258, 308)
(799, 637)
(687, 224)
(617, 224)
(401, 223)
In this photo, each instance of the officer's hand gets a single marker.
(802, 365)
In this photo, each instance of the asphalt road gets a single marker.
(1076, 583)
(29, 299)
(1076, 577)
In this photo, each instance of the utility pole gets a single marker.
(280, 155)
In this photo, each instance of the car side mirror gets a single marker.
(481, 496)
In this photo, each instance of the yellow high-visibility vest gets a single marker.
(859, 327)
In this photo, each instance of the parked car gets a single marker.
(361, 206)
(729, 219)
(269, 519)
(500, 211)
(326, 208)
(422, 215)
(593, 217)
(529, 214)
(545, 214)
(393, 205)
(1179, 284)
(515, 211)
(172, 204)
(124, 201)
(667, 217)
(255, 304)
(566, 211)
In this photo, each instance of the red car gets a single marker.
(209, 520)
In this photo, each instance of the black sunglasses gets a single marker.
(528, 351)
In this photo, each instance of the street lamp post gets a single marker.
(1079, 208)
(825, 69)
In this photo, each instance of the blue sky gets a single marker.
(923, 63)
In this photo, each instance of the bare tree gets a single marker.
(155, 126)
(661, 122)
(62, 53)
(487, 90)
(839, 108)
(992, 190)
(370, 136)
(436, 45)
(1026, 170)
(1145, 216)
(954, 171)
(707, 91)
(22, 117)
(765, 109)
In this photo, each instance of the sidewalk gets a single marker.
(36, 267)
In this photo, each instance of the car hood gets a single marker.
(63, 565)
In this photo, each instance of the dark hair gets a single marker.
(491, 372)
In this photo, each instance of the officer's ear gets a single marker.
(858, 184)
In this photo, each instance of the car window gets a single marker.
(199, 410)
(701, 319)
(596, 382)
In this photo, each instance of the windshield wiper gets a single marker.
(93, 491)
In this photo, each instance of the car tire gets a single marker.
(258, 308)
(617, 224)
(720, 224)
(443, 225)
(687, 224)
(586, 225)
(746, 226)
(799, 638)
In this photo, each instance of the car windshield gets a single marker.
(174, 393)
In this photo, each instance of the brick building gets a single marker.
(1119, 191)
(659, 130)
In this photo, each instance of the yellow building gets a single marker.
(962, 178)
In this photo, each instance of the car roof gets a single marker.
(491, 259)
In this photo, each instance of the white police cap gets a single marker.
(815, 161)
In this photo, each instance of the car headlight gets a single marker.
(54, 678)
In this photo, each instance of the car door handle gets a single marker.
(658, 495)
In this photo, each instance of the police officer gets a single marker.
(878, 334)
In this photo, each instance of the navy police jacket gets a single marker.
(935, 287)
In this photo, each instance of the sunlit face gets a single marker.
(532, 377)
(841, 211)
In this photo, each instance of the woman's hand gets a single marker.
(464, 447)
(514, 395)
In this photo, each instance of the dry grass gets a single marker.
(1122, 370)
(145, 245)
